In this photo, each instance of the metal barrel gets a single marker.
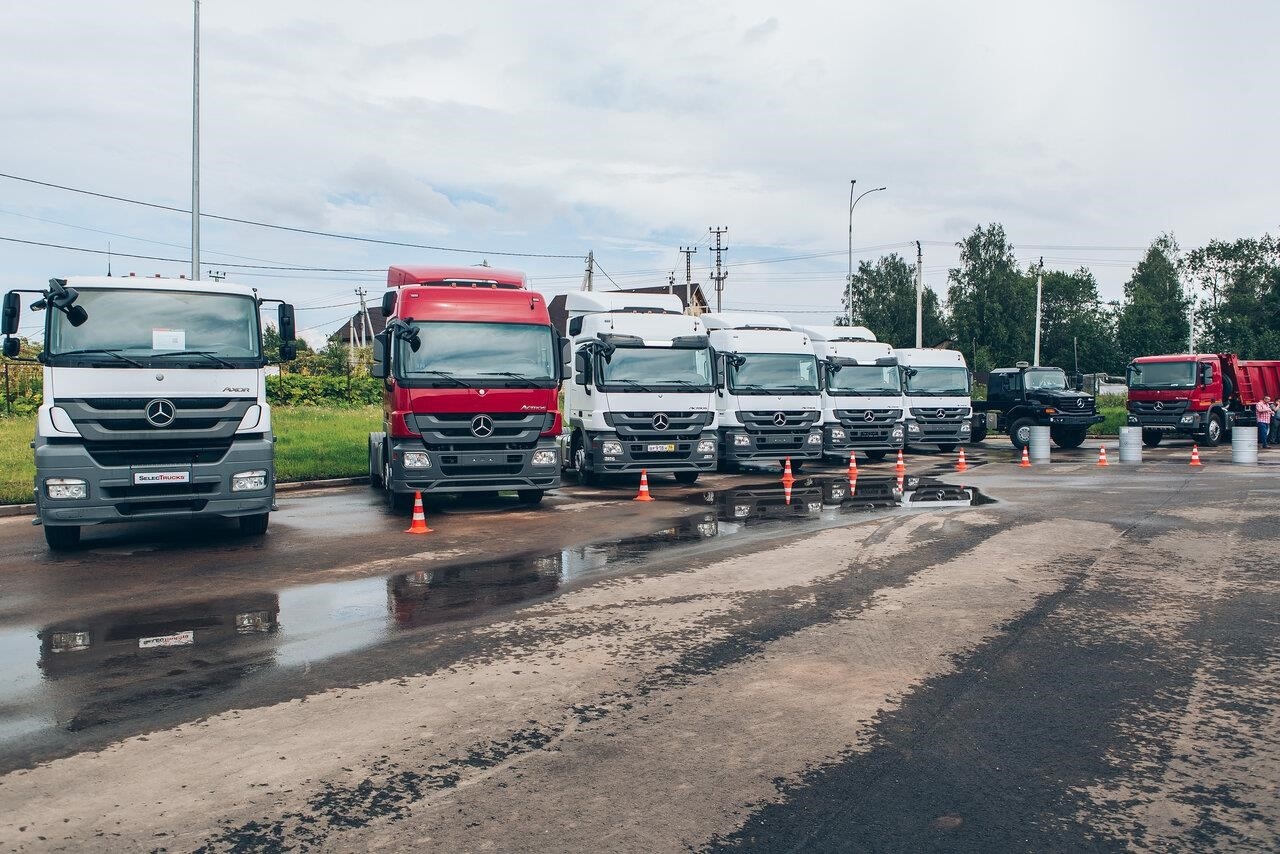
(1131, 444)
(1038, 447)
(1244, 445)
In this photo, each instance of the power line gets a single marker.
(186, 260)
(309, 231)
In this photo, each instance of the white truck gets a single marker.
(154, 405)
(767, 395)
(641, 392)
(861, 392)
(935, 389)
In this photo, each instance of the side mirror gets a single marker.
(285, 324)
(76, 315)
(12, 347)
(288, 351)
(722, 371)
(1206, 374)
(12, 311)
(582, 369)
(388, 303)
(379, 367)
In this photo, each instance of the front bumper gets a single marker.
(114, 497)
(770, 445)
(473, 471)
(1178, 422)
(856, 438)
(938, 432)
(1085, 421)
(660, 455)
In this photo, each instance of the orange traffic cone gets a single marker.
(419, 525)
(1102, 457)
(643, 494)
(1026, 459)
(961, 465)
(853, 465)
(786, 491)
(900, 467)
(1195, 455)
(787, 476)
(900, 480)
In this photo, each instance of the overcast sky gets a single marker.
(630, 128)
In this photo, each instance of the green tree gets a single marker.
(1153, 317)
(991, 303)
(1240, 285)
(884, 301)
(1073, 320)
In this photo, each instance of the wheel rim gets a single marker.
(1215, 430)
(580, 460)
(1024, 435)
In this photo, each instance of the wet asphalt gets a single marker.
(149, 627)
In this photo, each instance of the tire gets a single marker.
(532, 497)
(947, 447)
(876, 456)
(579, 454)
(687, 478)
(1214, 431)
(1068, 437)
(375, 465)
(61, 538)
(979, 427)
(1020, 432)
(254, 525)
(1151, 438)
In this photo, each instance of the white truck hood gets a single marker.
(69, 383)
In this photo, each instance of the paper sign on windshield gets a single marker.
(168, 339)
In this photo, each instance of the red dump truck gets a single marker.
(1196, 395)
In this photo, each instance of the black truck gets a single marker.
(1024, 397)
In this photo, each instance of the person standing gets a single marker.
(1274, 438)
(1263, 411)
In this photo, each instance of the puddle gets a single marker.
(124, 665)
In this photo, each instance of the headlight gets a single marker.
(913, 427)
(741, 440)
(247, 481)
(706, 446)
(253, 621)
(66, 487)
(896, 432)
(815, 439)
(417, 460)
(965, 426)
(837, 434)
(1133, 419)
(741, 511)
(544, 457)
(613, 449)
(68, 641)
(1049, 410)
(1188, 419)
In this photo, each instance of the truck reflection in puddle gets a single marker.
(813, 497)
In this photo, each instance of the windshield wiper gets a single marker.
(208, 354)
(530, 382)
(686, 383)
(444, 375)
(636, 384)
(115, 353)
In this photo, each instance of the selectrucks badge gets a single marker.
(160, 413)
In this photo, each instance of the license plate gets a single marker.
(179, 639)
(146, 477)
(661, 449)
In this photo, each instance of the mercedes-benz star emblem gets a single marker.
(160, 413)
(482, 426)
(1159, 404)
(661, 421)
(869, 416)
(942, 413)
(780, 419)
(1080, 403)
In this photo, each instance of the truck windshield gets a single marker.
(153, 328)
(864, 379)
(937, 382)
(496, 355)
(774, 373)
(1046, 379)
(626, 368)
(1162, 375)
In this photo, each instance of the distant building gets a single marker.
(560, 317)
(354, 326)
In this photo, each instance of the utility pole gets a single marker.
(848, 282)
(671, 282)
(688, 277)
(364, 319)
(591, 266)
(919, 296)
(721, 274)
(195, 148)
(1039, 293)
(1191, 325)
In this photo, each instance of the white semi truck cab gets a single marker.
(935, 390)
(154, 405)
(641, 392)
(861, 392)
(767, 395)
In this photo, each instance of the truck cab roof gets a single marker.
(929, 357)
(837, 333)
(159, 283)
(594, 302)
(477, 277)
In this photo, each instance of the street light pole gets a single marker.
(195, 147)
(852, 204)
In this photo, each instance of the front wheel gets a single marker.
(60, 538)
(687, 478)
(530, 496)
(1213, 431)
(1020, 432)
(254, 525)
(1067, 437)
(1151, 438)
(375, 465)
(579, 454)
(979, 430)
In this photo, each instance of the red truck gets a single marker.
(471, 367)
(1196, 395)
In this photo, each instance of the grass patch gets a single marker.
(1114, 408)
(313, 443)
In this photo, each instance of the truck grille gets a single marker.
(640, 425)
(756, 422)
(120, 419)
(456, 431)
(939, 421)
(1166, 407)
(157, 453)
